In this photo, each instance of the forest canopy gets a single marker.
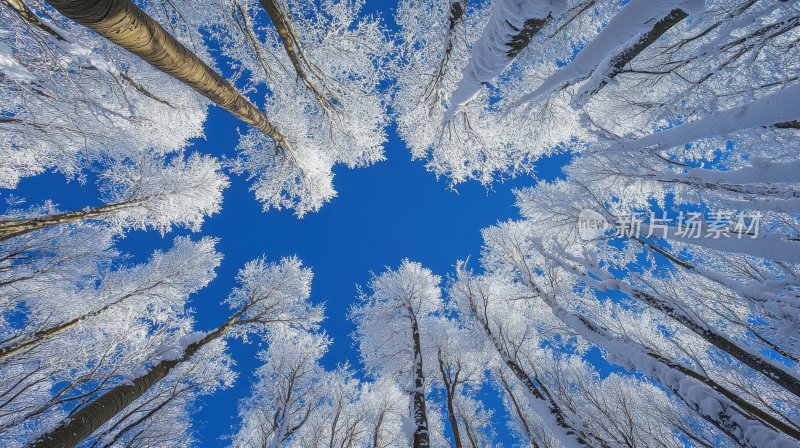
(646, 292)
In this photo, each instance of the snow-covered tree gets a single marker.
(163, 416)
(507, 321)
(324, 67)
(514, 253)
(70, 99)
(146, 192)
(527, 79)
(86, 332)
(160, 286)
(459, 363)
(323, 64)
(389, 322)
(128, 26)
(269, 295)
(289, 388)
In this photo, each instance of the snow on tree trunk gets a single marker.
(511, 27)
(691, 321)
(772, 304)
(421, 433)
(708, 403)
(776, 107)
(457, 11)
(627, 34)
(123, 23)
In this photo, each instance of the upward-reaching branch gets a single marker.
(123, 23)
(291, 44)
(457, 10)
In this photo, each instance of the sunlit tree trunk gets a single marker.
(74, 429)
(16, 227)
(778, 375)
(123, 23)
(502, 42)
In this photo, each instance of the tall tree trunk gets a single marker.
(749, 190)
(111, 443)
(567, 77)
(773, 372)
(291, 44)
(518, 411)
(503, 41)
(457, 9)
(690, 267)
(470, 434)
(376, 432)
(545, 399)
(622, 59)
(778, 349)
(16, 227)
(733, 410)
(717, 279)
(123, 23)
(450, 390)
(74, 429)
(421, 433)
(750, 409)
(702, 331)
